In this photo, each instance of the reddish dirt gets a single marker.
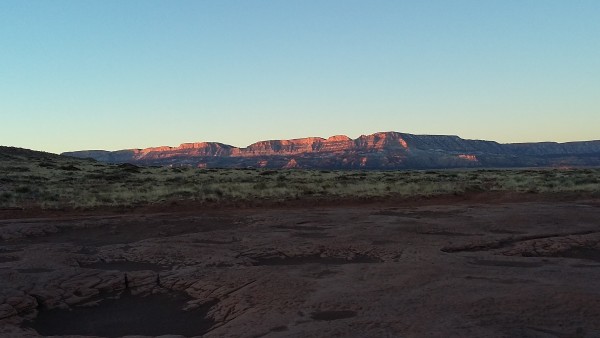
(190, 206)
(493, 265)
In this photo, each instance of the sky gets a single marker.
(119, 74)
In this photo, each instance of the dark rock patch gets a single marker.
(311, 235)
(126, 266)
(212, 241)
(586, 265)
(34, 270)
(512, 264)
(419, 214)
(445, 233)
(314, 259)
(324, 273)
(279, 329)
(87, 251)
(382, 242)
(505, 242)
(506, 231)
(591, 254)
(301, 227)
(499, 280)
(153, 315)
(6, 259)
(333, 315)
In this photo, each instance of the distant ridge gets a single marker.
(383, 150)
(22, 153)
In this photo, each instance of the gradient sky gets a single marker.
(131, 74)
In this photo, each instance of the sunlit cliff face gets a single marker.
(381, 141)
(336, 143)
(403, 143)
(187, 149)
(280, 147)
(339, 138)
(471, 158)
(385, 150)
(291, 164)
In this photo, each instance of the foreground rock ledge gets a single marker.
(450, 269)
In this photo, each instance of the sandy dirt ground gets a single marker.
(453, 267)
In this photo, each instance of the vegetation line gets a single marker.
(57, 182)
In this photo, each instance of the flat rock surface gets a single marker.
(448, 269)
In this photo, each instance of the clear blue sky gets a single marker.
(126, 74)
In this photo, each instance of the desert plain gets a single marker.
(90, 249)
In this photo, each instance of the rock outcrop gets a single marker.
(385, 150)
(505, 268)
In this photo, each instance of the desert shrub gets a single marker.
(176, 179)
(586, 180)
(260, 186)
(6, 196)
(17, 169)
(127, 167)
(47, 165)
(69, 167)
(24, 189)
(267, 172)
